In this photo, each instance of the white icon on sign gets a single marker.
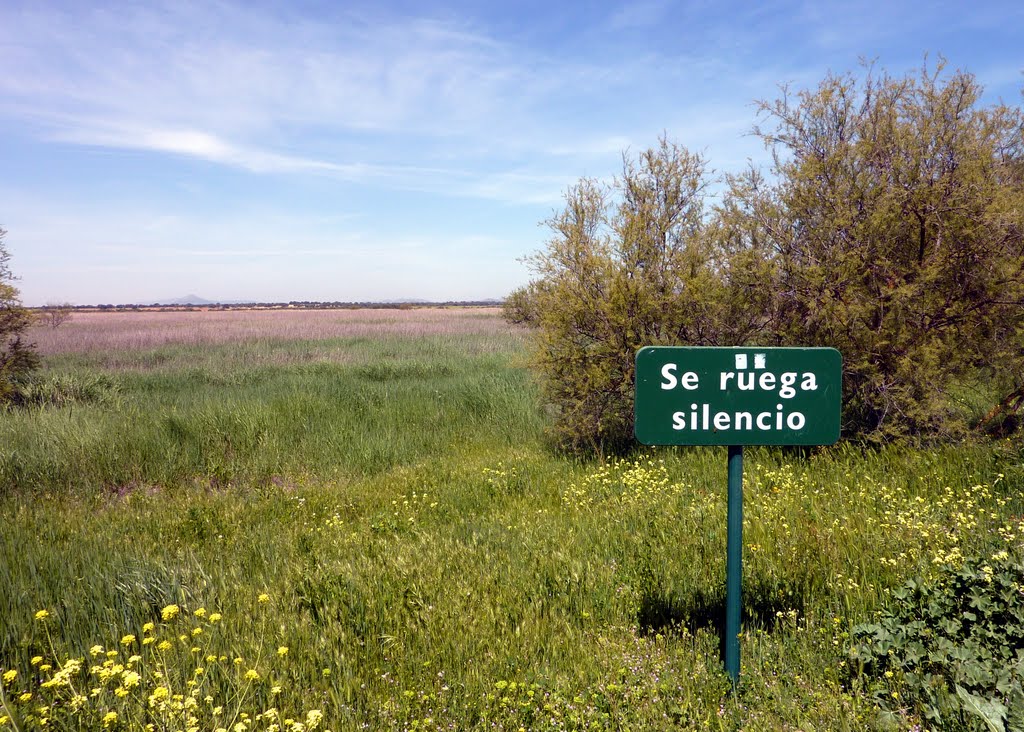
(759, 361)
(741, 360)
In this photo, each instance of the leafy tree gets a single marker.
(894, 228)
(17, 358)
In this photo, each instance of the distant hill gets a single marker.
(191, 300)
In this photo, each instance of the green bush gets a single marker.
(627, 265)
(890, 226)
(17, 357)
(953, 647)
(895, 225)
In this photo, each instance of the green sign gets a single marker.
(737, 396)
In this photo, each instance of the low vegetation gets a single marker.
(379, 537)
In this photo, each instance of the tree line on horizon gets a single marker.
(889, 224)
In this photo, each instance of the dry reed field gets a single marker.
(141, 330)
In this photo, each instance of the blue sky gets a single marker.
(386, 150)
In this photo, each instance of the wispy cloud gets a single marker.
(258, 73)
(346, 97)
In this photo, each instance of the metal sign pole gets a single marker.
(734, 564)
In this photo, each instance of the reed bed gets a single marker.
(143, 330)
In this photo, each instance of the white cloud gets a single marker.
(158, 67)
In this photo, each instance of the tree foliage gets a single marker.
(890, 225)
(17, 357)
(627, 265)
(895, 222)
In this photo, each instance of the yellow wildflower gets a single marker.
(27, 696)
(131, 679)
(36, 660)
(170, 612)
(109, 718)
(200, 612)
(10, 676)
(42, 615)
(215, 617)
(148, 628)
(313, 718)
(127, 640)
(282, 650)
(263, 598)
(252, 675)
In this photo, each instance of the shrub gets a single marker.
(17, 357)
(955, 645)
(895, 222)
(626, 266)
(891, 227)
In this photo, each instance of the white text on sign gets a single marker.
(700, 417)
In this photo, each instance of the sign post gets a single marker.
(735, 397)
(734, 563)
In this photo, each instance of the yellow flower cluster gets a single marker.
(408, 506)
(501, 478)
(636, 483)
(898, 528)
(147, 685)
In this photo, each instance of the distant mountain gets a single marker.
(191, 300)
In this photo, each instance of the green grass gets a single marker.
(233, 414)
(418, 540)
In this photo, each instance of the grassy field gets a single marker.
(352, 520)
